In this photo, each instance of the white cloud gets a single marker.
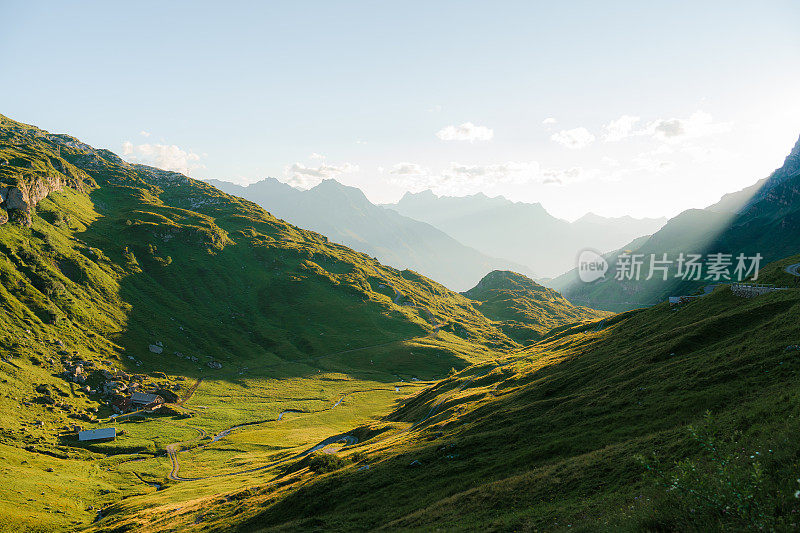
(619, 129)
(144, 133)
(408, 169)
(548, 121)
(508, 172)
(163, 156)
(305, 177)
(574, 139)
(668, 130)
(315, 155)
(699, 124)
(565, 176)
(457, 178)
(465, 132)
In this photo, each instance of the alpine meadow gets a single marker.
(402, 267)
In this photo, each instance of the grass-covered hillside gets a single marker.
(665, 419)
(265, 339)
(525, 309)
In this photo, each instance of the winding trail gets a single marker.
(794, 269)
(348, 439)
(174, 448)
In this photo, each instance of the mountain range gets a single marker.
(346, 216)
(523, 232)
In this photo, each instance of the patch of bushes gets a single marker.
(321, 463)
(729, 485)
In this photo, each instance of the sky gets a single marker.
(618, 108)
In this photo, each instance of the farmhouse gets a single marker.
(102, 434)
(146, 400)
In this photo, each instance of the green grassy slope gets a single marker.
(128, 268)
(525, 309)
(548, 439)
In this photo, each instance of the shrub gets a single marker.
(726, 486)
(320, 463)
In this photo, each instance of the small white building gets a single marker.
(97, 434)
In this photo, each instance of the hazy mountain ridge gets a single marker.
(763, 218)
(523, 232)
(345, 215)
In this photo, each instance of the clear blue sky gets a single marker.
(365, 92)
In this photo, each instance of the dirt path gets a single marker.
(173, 449)
(190, 392)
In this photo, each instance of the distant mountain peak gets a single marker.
(426, 194)
(332, 186)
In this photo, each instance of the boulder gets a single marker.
(155, 348)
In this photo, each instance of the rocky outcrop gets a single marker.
(19, 201)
